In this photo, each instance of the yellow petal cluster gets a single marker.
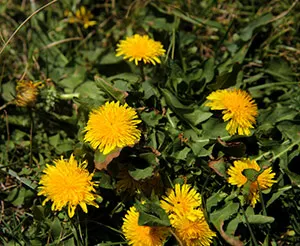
(81, 16)
(112, 126)
(137, 235)
(186, 216)
(264, 179)
(237, 107)
(140, 48)
(67, 183)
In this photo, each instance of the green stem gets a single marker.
(6, 104)
(69, 96)
(142, 72)
(176, 237)
(249, 227)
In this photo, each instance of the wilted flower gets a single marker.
(82, 16)
(26, 93)
(140, 48)
(238, 108)
(68, 183)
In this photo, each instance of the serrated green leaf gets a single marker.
(151, 214)
(112, 92)
(247, 33)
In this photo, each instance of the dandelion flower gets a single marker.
(140, 48)
(112, 126)
(238, 108)
(194, 232)
(264, 178)
(26, 93)
(81, 16)
(181, 201)
(68, 183)
(142, 235)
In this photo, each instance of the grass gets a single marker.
(250, 45)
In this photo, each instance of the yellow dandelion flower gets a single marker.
(137, 235)
(140, 48)
(264, 180)
(238, 108)
(81, 16)
(68, 183)
(181, 201)
(26, 93)
(112, 126)
(194, 232)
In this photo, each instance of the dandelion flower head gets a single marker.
(264, 180)
(142, 235)
(238, 108)
(26, 93)
(183, 200)
(194, 232)
(68, 183)
(82, 16)
(112, 126)
(140, 48)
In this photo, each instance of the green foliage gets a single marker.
(210, 45)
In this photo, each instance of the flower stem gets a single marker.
(249, 227)
(176, 237)
(69, 96)
(6, 104)
(142, 72)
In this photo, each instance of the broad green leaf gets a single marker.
(226, 79)
(139, 174)
(112, 92)
(151, 214)
(8, 91)
(209, 70)
(38, 212)
(223, 214)
(125, 77)
(173, 102)
(280, 70)
(56, 228)
(260, 219)
(110, 58)
(89, 89)
(75, 78)
(151, 118)
(105, 180)
(214, 200)
(247, 33)
(150, 158)
(277, 194)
